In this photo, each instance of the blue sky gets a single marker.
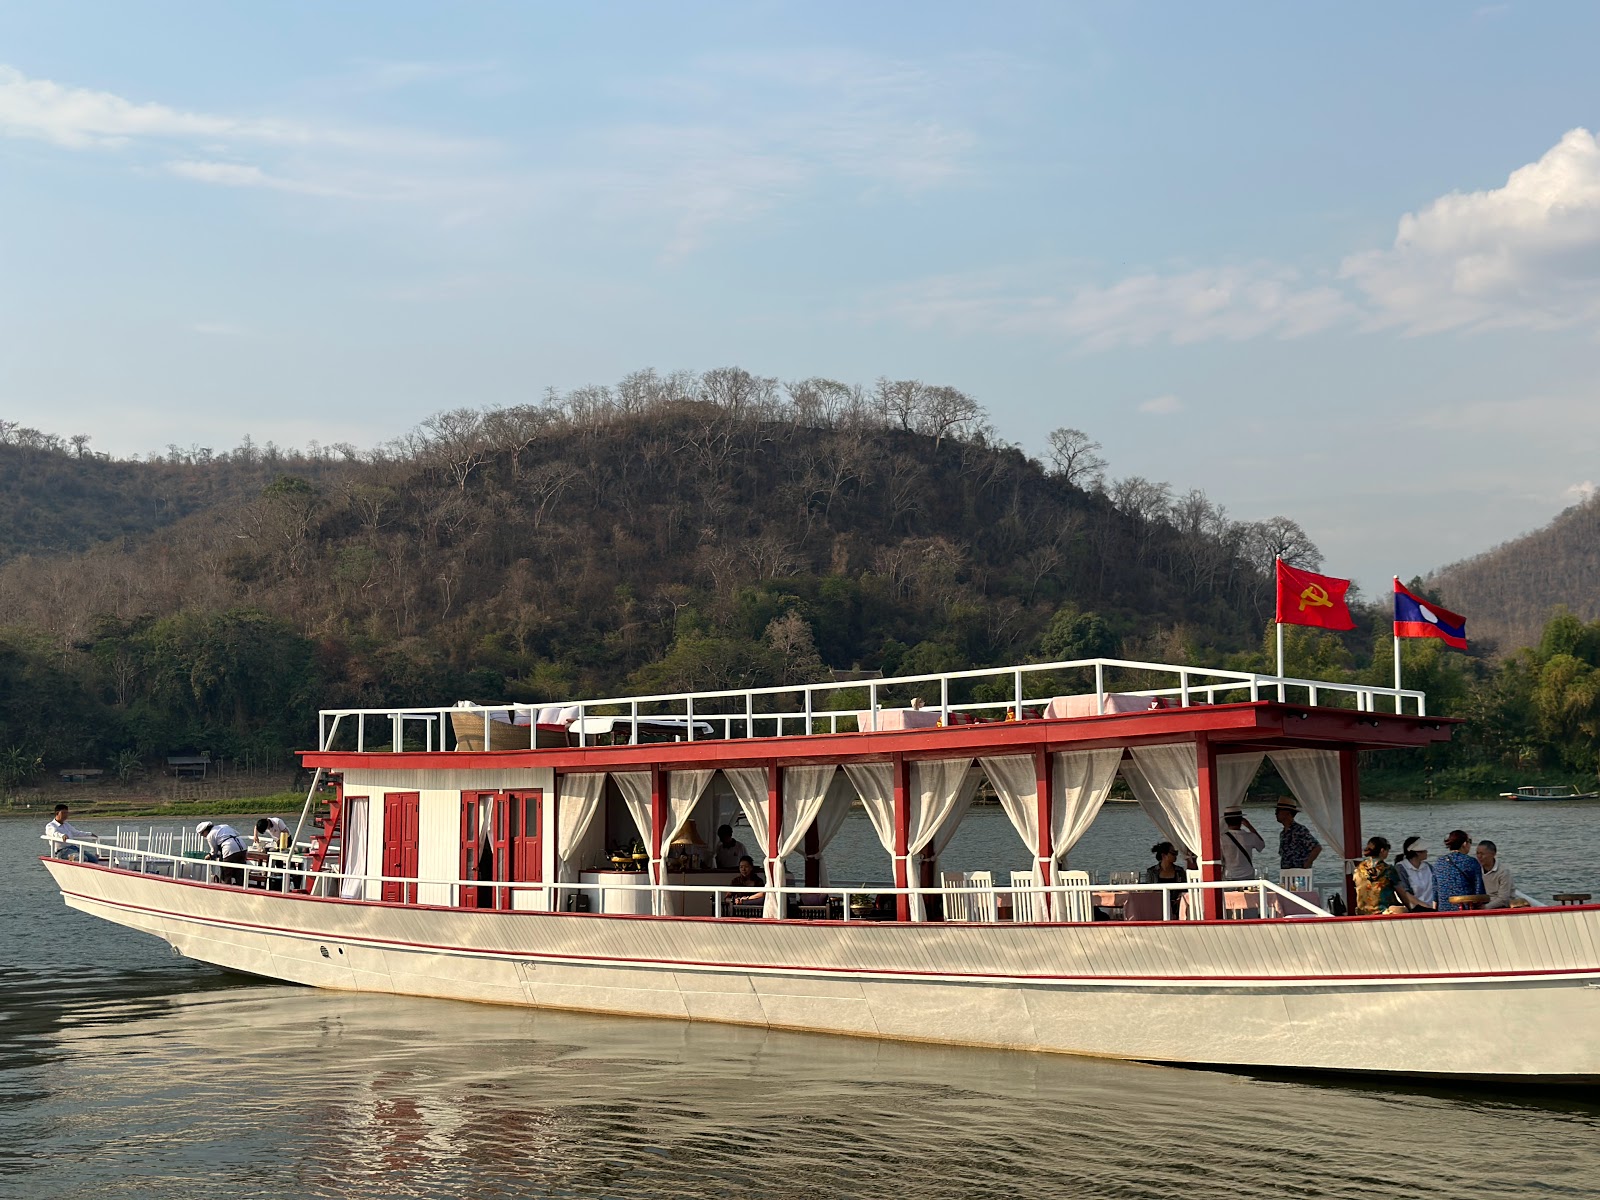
(1339, 262)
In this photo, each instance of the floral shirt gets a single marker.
(1456, 874)
(1375, 886)
(1295, 844)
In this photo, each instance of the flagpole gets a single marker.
(1396, 649)
(1281, 692)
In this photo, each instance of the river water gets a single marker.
(127, 1072)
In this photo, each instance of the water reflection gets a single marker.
(309, 1093)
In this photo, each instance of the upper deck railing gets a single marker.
(1017, 692)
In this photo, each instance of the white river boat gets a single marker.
(485, 853)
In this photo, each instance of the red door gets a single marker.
(485, 849)
(525, 859)
(400, 823)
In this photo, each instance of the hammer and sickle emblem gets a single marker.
(1315, 596)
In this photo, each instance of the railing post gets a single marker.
(583, 726)
(1183, 688)
(1100, 686)
(944, 698)
(633, 734)
(688, 708)
(872, 705)
(1018, 690)
(749, 714)
(808, 712)
(361, 733)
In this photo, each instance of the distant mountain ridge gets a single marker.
(1508, 593)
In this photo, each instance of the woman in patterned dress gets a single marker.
(1377, 882)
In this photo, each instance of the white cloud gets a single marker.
(1162, 405)
(1523, 255)
(1582, 493)
(1229, 303)
(244, 175)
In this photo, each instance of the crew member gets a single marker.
(725, 855)
(226, 846)
(271, 829)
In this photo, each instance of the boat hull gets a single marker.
(1441, 994)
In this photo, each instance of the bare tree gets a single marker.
(1076, 458)
(1280, 537)
(945, 411)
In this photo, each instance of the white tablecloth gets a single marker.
(1085, 706)
(900, 718)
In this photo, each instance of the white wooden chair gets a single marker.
(956, 906)
(1194, 899)
(1297, 881)
(981, 903)
(1076, 902)
(160, 843)
(1024, 904)
(125, 854)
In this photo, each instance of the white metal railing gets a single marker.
(1049, 898)
(817, 707)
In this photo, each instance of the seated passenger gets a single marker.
(58, 831)
(1377, 882)
(1416, 876)
(1456, 873)
(748, 878)
(1166, 868)
(1497, 883)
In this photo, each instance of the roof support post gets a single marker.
(658, 831)
(902, 834)
(1210, 823)
(1043, 771)
(1350, 803)
(775, 832)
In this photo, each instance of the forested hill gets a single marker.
(671, 532)
(58, 495)
(1510, 592)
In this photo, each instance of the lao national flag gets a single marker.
(1416, 617)
(1306, 598)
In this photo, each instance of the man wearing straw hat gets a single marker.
(1297, 848)
(1240, 841)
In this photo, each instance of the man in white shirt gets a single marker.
(224, 845)
(270, 829)
(727, 852)
(58, 831)
(1497, 883)
(1239, 843)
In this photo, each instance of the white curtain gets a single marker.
(1016, 782)
(1081, 781)
(1172, 782)
(684, 789)
(830, 819)
(577, 802)
(1313, 777)
(874, 783)
(941, 792)
(804, 790)
(353, 886)
(1234, 773)
(1134, 778)
(635, 789)
(750, 789)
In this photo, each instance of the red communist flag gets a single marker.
(1306, 598)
